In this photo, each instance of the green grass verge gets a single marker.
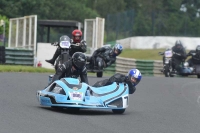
(19, 68)
(30, 69)
(143, 54)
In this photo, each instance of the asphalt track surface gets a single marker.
(159, 105)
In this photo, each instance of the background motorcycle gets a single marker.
(64, 46)
(167, 66)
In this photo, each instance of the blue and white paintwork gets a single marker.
(69, 92)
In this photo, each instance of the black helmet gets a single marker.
(198, 49)
(178, 44)
(79, 60)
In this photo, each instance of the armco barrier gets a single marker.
(147, 67)
(19, 56)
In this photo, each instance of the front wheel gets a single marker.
(198, 76)
(118, 111)
(99, 74)
(166, 71)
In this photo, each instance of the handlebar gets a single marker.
(54, 43)
(160, 53)
(72, 44)
(76, 44)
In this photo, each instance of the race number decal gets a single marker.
(76, 95)
(65, 44)
(168, 53)
(125, 101)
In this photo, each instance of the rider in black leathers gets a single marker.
(132, 79)
(107, 53)
(195, 59)
(74, 68)
(76, 34)
(179, 55)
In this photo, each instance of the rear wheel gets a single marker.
(99, 74)
(198, 76)
(118, 111)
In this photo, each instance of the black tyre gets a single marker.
(56, 107)
(166, 71)
(171, 75)
(99, 74)
(198, 76)
(118, 111)
(73, 110)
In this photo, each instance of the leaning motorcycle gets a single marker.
(167, 66)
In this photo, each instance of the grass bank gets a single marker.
(143, 54)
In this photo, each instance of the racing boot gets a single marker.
(55, 56)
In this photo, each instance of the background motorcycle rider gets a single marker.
(179, 55)
(195, 59)
(131, 79)
(74, 68)
(76, 38)
(107, 53)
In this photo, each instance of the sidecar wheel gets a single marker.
(118, 111)
(73, 110)
(57, 107)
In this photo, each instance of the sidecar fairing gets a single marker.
(69, 92)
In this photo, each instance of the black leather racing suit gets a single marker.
(106, 53)
(82, 48)
(65, 70)
(179, 56)
(195, 59)
(119, 78)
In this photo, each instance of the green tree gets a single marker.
(105, 7)
(6, 20)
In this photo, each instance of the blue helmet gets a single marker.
(134, 76)
(118, 47)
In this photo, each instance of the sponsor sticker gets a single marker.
(76, 95)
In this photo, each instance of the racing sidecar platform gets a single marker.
(70, 93)
(186, 71)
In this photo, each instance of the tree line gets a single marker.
(149, 18)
